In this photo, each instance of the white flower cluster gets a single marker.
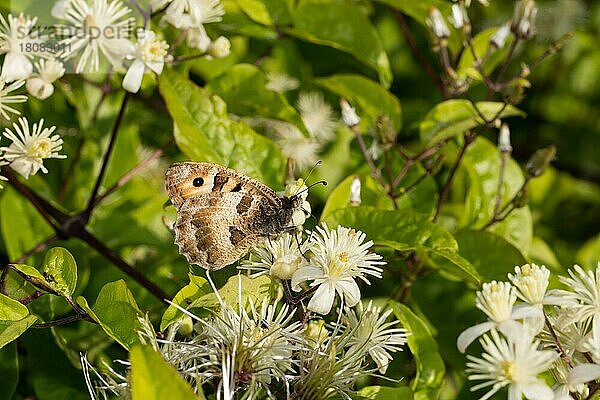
(270, 350)
(318, 118)
(523, 340)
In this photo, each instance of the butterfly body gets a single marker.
(222, 214)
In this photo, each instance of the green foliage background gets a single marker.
(350, 49)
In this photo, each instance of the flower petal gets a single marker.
(470, 334)
(349, 289)
(133, 78)
(537, 391)
(306, 273)
(322, 300)
(583, 373)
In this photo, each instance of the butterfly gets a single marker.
(222, 214)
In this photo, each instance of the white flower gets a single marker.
(29, 148)
(101, 27)
(459, 16)
(355, 188)
(436, 23)
(499, 37)
(20, 42)
(280, 257)
(317, 116)
(504, 140)
(220, 48)
(339, 258)
(349, 115)
(59, 8)
(6, 99)
(370, 333)
(523, 20)
(482, 2)
(294, 144)
(281, 83)
(40, 85)
(573, 380)
(198, 38)
(184, 14)
(150, 55)
(583, 296)
(513, 364)
(496, 300)
(531, 282)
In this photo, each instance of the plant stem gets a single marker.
(410, 39)
(557, 341)
(468, 139)
(107, 154)
(114, 258)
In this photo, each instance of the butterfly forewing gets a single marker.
(221, 214)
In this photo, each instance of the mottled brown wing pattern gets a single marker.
(180, 178)
(220, 212)
(211, 232)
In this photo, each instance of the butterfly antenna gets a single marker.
(324, 183)
(319, 162)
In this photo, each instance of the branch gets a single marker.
(410, 39)
(64, 321)
(131, 173)
(468, 139)
(114, 258)
(107, 154)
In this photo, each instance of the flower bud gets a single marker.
(504, 139)
(524, 19)
(540, 160)
(186, 326)
(355, 188)
(349, 115)
(460, 18)
(437, 24)
(39, 88)
(386, 133)
(498, 39)
(220, 48)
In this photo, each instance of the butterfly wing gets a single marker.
(221, 213)
(189, 179)
(214, 230)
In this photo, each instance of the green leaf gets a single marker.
(386, 393)
(21, 225)
(33, 276)
(252, 289)
(256, 10)
(238, 22)
(430, 366)
(491, 255)
(406, 230)
(370, 98)
(589, 254)
(11, 310)
(9, 331)
(268, 12)
(481, 165)
(9, 371)
(203, 131)
(152, 378)
(344, 27)
(197, 287)
(418, 10)
(60, 270)
(117, 313)
(454, 117)
(481, 44)
(242, 87)
(52, 375)
(371, 195)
